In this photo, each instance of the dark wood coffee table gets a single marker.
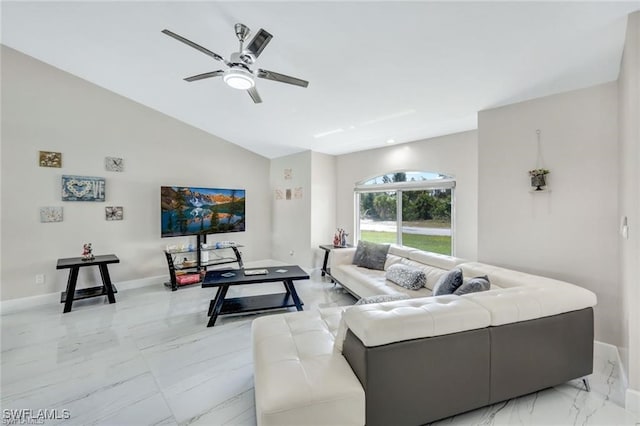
(223, 279)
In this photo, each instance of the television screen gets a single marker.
(193, 211)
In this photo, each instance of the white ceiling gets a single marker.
(377, 70)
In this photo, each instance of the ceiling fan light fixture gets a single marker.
(239, 74)
(239, 79)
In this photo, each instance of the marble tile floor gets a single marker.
(149, 359)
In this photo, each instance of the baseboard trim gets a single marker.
(142, 282)
(632, 396)
(609, 351)
(14, 305)
(632, 401)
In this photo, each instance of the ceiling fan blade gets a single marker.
(259, 42)
(254, 95)
(270, 75)
(204, 75)
(194, 45)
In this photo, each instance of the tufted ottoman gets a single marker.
(299, 379)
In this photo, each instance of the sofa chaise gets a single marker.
(414, 361)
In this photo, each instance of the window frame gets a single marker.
(398, 187)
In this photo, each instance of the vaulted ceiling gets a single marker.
(377, 70)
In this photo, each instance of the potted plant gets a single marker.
(537, 178)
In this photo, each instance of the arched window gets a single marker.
(410, 208)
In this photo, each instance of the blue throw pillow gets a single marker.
(448, 283)
(474, 285)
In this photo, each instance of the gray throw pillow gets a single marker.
(379, 298)
(448, 283)
(474, 285)
(371, 255)
(407, 276)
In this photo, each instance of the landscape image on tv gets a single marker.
(193, 211)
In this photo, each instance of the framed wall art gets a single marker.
(83, 188)
(114, 213)
(50, 214)
(50, 159)
(114, 164)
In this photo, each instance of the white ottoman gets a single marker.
(299, 379)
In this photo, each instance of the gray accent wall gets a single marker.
(44, 108)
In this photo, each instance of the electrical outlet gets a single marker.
(40, 279)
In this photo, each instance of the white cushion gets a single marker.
(343, 256)
(422, 292)
(432, 273)
(392, 259)
(401, 251)
(365, 282)
(383, 323)
(503, 277)
(526, 303)
(299, 379)
(362, 282)
(441, 261)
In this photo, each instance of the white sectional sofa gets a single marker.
(414, 361)
(363, 282)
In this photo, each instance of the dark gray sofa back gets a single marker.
(531, 355)
(419, 381)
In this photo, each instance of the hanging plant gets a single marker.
(538, 174)
(538, 178)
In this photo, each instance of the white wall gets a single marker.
(300, 225)
(323, 206)
(569, 233)
(452, 155)
(44, 108)
(629, 204)
(291, 219)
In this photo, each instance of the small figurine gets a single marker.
(87, 252)
(340, 238)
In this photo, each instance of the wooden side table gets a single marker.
(75, 263)
(327, 249)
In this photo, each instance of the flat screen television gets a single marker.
(201, 211)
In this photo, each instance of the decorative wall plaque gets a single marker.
(114, 213)
(50, 214)
(114, 164)
(50, 159)
(83, 188)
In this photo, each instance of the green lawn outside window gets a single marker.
(434, 243)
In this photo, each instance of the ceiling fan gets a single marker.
(238, 73)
